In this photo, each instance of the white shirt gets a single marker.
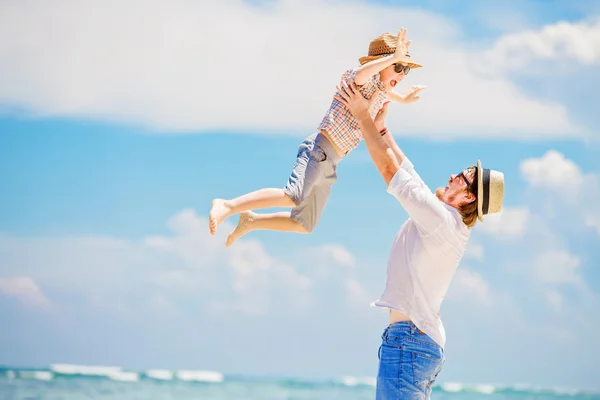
(425, 253)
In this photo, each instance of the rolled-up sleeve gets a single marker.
(422, 206)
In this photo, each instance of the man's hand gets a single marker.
(354, 100)
(384, 157)
(379, 119)
(401, 44)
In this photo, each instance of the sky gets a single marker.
(121, 121)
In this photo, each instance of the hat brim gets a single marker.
(479, 191)
(405, 60)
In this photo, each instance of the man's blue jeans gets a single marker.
(409, 363)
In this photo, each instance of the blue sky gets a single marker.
(114, 142)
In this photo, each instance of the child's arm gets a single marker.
(410, 97)
(397, 97)
(366, 71)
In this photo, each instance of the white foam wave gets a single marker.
(525, 387)
(562, 391)
(70, 369)
(199, 376)
(124, 376)
(354, 381)
(485, 389)
(39, 375)
(161, 374)
(452, 387)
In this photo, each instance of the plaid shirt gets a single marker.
(339, 123)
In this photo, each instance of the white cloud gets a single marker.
(548, 267)
(24, 289)
(557, 275)
(567, 186)
(335, 254)
(555, 299)
(474, 251)
(562, 42)
(594, 222)
(552, 171)
(356, 294)
(509, 222)
(471, 286)
(558, 267)
(187, 266)
(175, 67)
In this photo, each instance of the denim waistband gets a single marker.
(404, 326)
(407, 329)
(328, 148)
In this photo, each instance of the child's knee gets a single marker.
(294, 195)
(309, 224)
(308, 228)
(291, 198)
(306, 222)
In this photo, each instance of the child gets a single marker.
(309, 184)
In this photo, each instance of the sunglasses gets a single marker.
(399, 68)
(462, 175)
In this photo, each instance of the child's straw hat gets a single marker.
(385, 45)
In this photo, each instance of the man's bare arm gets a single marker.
(389, 140)
(387, 161)
(380, 124)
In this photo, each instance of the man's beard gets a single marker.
(439, 192)
(440, 195)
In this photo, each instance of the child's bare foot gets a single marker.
(244, 226)
(218, 213)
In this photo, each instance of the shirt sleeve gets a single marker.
(350, 74)
(422, 206)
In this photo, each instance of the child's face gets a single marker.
(390, 77)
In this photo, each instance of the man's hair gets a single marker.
(469, 211)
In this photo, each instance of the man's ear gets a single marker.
(470, 197)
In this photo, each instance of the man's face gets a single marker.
(457, 192)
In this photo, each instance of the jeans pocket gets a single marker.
(318, 155)
(390, 359)
(426, 369)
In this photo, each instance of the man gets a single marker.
(425, 254)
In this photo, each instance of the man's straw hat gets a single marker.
(385, 45)
(490, 191)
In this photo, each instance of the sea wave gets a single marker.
(39, 375)
(160, 374)
(84, 370)
(355, 381)
(114, 373)
(124, 376)
(488, 389)
(199, 376)
(119, 374)
(452, 387)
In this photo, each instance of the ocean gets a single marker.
(74, 382)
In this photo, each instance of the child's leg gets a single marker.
(320, 176)
(250, 221)
(263, 198)
(291, 195)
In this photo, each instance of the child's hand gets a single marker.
(412, 94)
(402, 45)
